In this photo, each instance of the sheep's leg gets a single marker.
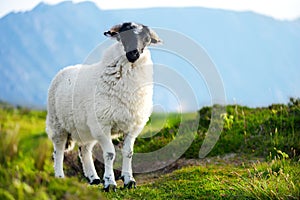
(109, 157)
(103, 135)
(127, 151)
(85, 154)
(58, 155)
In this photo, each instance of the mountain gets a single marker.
(257, 56)
(35, 44)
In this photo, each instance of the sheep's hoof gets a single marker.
(110, 187)
(95, 182)
(130, 185)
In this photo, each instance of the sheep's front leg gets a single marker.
(109, 157)
(85, 154)
(127, 151)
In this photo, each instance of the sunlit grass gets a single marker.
(273, 133)
(222, 181)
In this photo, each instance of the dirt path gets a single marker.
(74, 165)
(227, 159)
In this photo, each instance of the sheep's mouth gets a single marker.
(132, 56)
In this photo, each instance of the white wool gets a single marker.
(94, 103)
(113, 93)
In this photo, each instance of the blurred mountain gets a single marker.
(257, 56)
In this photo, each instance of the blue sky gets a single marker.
(279, 9)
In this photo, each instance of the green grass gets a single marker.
(255, 131)
(276, 180)
(271, 134)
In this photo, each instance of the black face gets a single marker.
(134, 37)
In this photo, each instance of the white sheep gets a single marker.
(92, 103)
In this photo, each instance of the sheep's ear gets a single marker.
(154, 38)
(113, 32)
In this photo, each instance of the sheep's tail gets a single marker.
(70, 144)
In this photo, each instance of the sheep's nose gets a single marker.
(132, 56)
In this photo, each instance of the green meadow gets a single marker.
(257, 156)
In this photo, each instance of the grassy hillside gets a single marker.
(253, 131)
(265, 165)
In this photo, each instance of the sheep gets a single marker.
(93, 103)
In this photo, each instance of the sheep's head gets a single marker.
(134, 38)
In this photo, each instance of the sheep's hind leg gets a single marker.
(127, 152)
(85, 154)
(58, 154)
